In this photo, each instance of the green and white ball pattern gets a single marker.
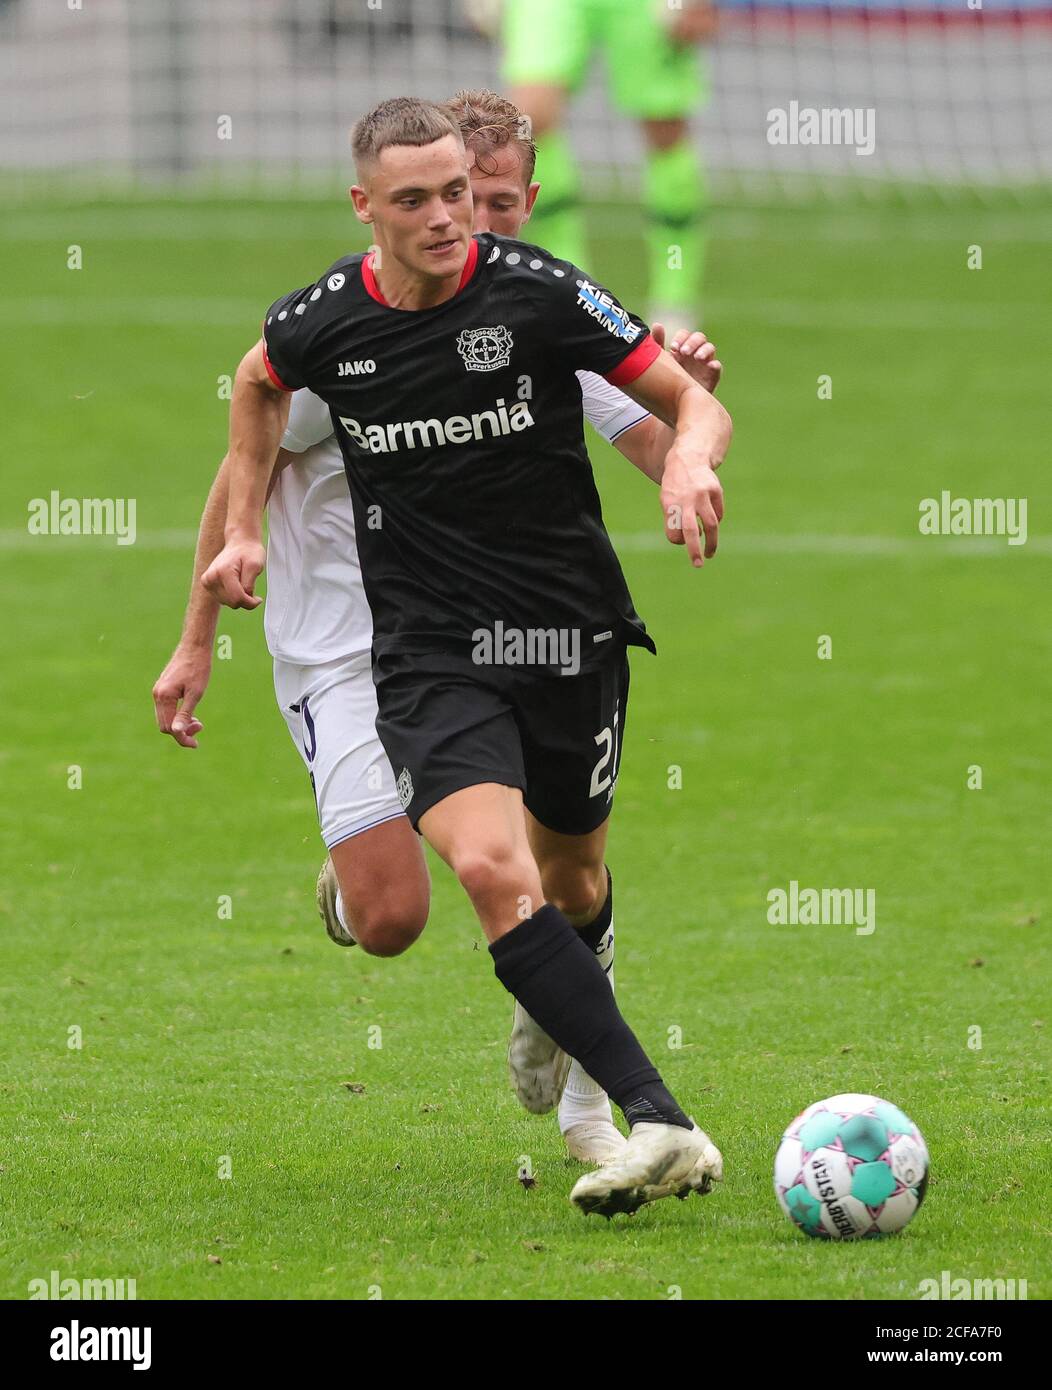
(851, 1166)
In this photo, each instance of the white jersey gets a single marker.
(316, 610)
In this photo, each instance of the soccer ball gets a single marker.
(851, 1166)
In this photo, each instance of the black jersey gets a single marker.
(462, 431)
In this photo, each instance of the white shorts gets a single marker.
(331, 713)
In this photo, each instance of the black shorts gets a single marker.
(447, 724)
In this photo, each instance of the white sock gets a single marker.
(339, 913)
(584, 1099)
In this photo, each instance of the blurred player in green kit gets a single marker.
(655, 75)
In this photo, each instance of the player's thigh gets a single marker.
(480, 831)
(651, 77)
(485, 818)
(384, 882)
(546, 44)
(572, 730)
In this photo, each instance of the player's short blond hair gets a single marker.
(489, 122)
(400, 121)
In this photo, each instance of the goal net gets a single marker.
(235, 97)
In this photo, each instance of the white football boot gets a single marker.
(657, 1161)
(325, 896)
(537, 1065)
(597, 1141)
(587, 1121)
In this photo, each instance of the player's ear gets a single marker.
(360, 199)
(531, 198)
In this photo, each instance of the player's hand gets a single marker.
(232, 575)
(178, 689)
(692, 500)
(694, 353)
(696, 22)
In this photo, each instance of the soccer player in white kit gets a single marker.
(374, 888)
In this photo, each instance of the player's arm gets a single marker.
(593, 333)
(258, 414)
(183, 682)
(690, 490)
(647, 444)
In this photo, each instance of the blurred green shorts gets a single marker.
(552, 41)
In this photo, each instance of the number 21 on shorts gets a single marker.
(604, 774)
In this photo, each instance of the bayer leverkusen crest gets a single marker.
(485, 349)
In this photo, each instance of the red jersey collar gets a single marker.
(369, 276)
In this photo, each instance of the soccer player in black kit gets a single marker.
(500, 613)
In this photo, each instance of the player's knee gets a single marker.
(491, 871)
(387, 915)
(665, 134)
(576, 890)
(389, 928)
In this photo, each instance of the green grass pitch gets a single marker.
(210, 1043)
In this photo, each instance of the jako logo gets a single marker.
(365, 368)
(76, 1343)
(832, 125)
(432, 434)
(57, 1287)
(954, 1289)
(826, 907)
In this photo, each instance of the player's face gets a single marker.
(503, 200)
(419, 201)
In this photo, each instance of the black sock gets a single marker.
(555, 977)
(592, 934)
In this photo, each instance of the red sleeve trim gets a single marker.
(273, 374)
(635, 364)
